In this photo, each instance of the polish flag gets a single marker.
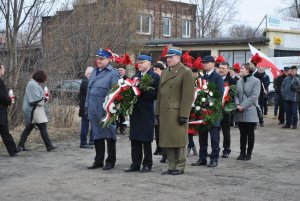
(266, 61)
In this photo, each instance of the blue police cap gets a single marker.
(143, 57)
(208, 59)
(172, 51)
(103, 53)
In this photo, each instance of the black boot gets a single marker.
(164, 158)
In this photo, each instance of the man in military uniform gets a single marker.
(102, 79)
(174, 103)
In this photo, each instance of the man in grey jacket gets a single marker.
(291, 97)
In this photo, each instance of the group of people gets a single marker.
(165, 111)
(34, 112)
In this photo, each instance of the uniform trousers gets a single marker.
(100, 151)
(176, 158)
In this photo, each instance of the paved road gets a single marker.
(272, 174)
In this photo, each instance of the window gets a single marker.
(236, 56)
(144, 24)
(186, 28)
(286, 53)
(167, 26)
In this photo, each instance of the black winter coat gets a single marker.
(4, 102)
(142, 118)
(82, 96)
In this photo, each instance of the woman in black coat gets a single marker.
(142, 120)
(5, 101)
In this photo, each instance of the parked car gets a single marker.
(66, 92)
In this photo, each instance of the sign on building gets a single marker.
(283, 23)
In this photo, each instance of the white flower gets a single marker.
(211, 93)
(112, 108)
(198, 108)
(120, 81)
(110, 96)
(205, 86)
(203, 99)
(211, 104)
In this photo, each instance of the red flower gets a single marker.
(209, 112)
(119, 97)
(201, 117)
(227, 98)
(193, 115)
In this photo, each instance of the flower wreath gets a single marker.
(208, 105)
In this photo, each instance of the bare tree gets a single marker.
(293, 9)
(243, 31)
(21, 45)
(212, 14)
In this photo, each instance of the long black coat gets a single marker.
(4, 102)
(82, 96)
(142, 118)
(230, 81)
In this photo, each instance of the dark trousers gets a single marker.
(191, 141)
(281, 110)
(137, 154)
(8, 140)
(276, 104)
(43, 130)
(246, 135)
(265, 106)
(290, 108)
(120, 121)
(215, 140)
(100, 151)
(225, 125)
(85, 122)
(156, 131)
(261, 102)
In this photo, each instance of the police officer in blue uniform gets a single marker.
(102, 79)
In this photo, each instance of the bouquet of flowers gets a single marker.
(122, 98)
(228, 97)
(208, 105)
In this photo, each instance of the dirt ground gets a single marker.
(272, 174)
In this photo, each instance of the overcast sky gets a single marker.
(251, 12)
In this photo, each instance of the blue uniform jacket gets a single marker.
(98, 87)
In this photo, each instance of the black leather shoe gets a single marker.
(177, 172)
(167, 172)
(225, 155)
(163, 159)
(199, 163)
(86, 146)
(280, 123)
(247, 158)
(212, 164)
(95, 166)
(22, 149)
(132, 169)
(286, 126)
(146, 169)
(240, 157)
(51, 148)
(108, 166)
(157, 152)
(294, 127)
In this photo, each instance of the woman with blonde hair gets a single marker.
(246, 100)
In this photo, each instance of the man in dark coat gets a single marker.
(142, 119)
(121, 118)
(277, 86)
(225, 122)
(5, 101)
(102, 79)
(263, 97)
(84, 119)
(211, 76)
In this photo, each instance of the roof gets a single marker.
(205, 41)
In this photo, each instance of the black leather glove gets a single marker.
(182, 120)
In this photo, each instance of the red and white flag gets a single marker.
(266, 61)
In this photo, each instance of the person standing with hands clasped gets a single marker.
(5, 101)
(246, 101)
(174, 103)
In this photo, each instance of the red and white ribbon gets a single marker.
(198, 122)
(225, 94)
(123, 86)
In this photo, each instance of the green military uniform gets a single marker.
(175, 97)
